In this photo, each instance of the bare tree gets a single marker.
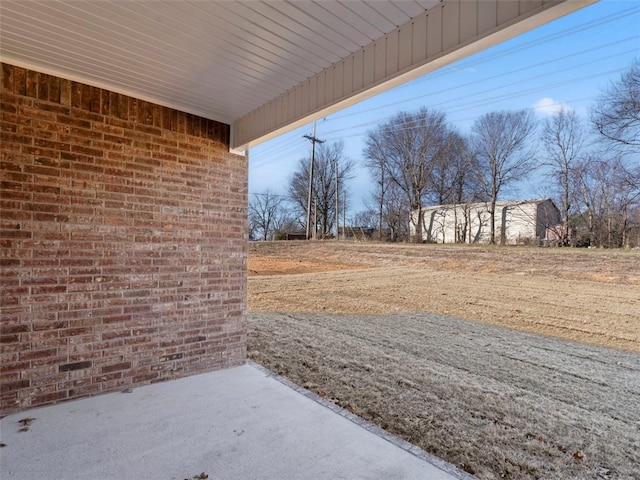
(612, 182)
(392, 215)
(285, 225)
(452, 181)
(563, 140)
(617, 112)
(610, 193)
(329, 160)
(266, 212)
(500, 142)
(376, 160)
(395, 214)
(402, 152)
(364, 218)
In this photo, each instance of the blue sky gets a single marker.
(563, 63)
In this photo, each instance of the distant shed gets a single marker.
(517, 222)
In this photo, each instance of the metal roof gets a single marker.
(229, 60)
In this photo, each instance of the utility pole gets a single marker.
(337, 207)
(344, 215)
(315, 219)
(313, 140)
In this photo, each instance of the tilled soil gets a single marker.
(592, 296)
(497, 403)
(413, 338)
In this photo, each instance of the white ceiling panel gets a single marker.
(250, 50)
(221, 59)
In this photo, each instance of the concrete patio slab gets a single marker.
(240, 423)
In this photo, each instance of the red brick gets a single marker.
(43, 87)
(116, 367)
(38, 354)
(83, 391)
(10, 329)
(49, 398)
(48, 362)
(87, 115)
(12, 338)
(64, 120)
(112, 195)
(7, 78)
(47, 382)
(19, 81)
(74, 366)
(144, 377)
(54, 89)
(6, 366)
(107, 376)
(34, 113)
(51, 107)
(16, 385)
(85, 97)
(65, 92)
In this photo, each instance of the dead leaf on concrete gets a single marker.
(578, 455)
(25, 422)
(201, 476)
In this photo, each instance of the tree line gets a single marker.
(272, 216)
(591, 171)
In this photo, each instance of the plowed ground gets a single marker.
(517, 363)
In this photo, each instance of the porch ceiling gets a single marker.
(260, 66)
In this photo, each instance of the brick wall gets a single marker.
(123, 242)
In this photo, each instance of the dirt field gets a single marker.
(412, 338)
(592, 296)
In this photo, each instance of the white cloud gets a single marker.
(548, 106)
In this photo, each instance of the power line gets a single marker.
(287, 143)
(284, 146)
(534, 43)
(485, 101)
(510, 72)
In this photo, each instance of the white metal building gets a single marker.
(517, 222)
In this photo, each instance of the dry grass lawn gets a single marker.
(413, 338)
